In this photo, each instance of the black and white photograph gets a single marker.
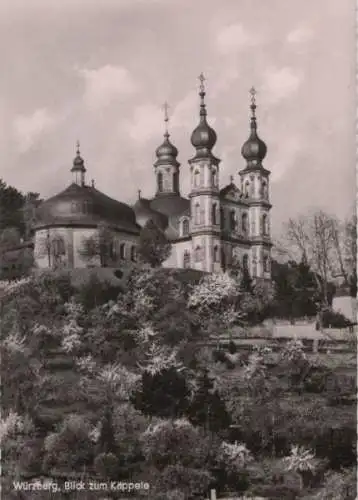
(178, 249)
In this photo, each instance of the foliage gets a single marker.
(334, 319)
(154, 247)
(164, 394)
(11, 204)
(126, 388)
(206, 408)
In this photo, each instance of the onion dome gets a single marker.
(203, 137)
(254, 149)
(166, 153)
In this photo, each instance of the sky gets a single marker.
(100, 71)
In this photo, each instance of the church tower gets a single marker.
(255, 188)
(204, 194)
(166, 166)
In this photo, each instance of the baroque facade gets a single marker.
(211, 230)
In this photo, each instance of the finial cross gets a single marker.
(253, 95)
(165, 109)
(78, 147)
(139, 194)
(231, 179)
(202, 79)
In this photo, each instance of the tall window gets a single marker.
(133, 253)
(214, 209)
(185, 227)
(122, 251)
(58, 246)
(197, 213)
(247, 189)
(265, 225)
(254, 269)
(266, 264)
(244, 223)
(198, 254)
(232, 220)
(223, 259)
(214, 177)
(196, 178)
(222, 218)
(245, 262)
(264, 189)
(186, 259)
(176, 182)
(216, 253)
(160, 182)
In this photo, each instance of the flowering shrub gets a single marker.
(159, 359)
(293, 351)
(235, 456)
(12, 424)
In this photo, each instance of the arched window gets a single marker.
(266, 264)
(214, 177)
(223, 259)
(263, 189)
(176, 182)
(122, 251)
(254, 269)
(265, 230)
(216, 254)
(196, 178)
(186, 259)
(198, 254)
(58, 246)
(247, 189)
(244, 223)
(214, 209)
(222, 218)
(232, 220)
(160, 182)
(245, 262)
(133, 253)
(185, 227)
(197, 213)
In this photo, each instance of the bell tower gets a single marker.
(166, 166)
(204, 194)
(255, 188)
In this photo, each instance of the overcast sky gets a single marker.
(100, 70)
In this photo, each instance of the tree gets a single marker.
(314, 237)
(11, 204)
(207, 408)
(100, 246)
(154, 247)
(163, 394)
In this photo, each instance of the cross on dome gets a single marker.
(202, 79)
(253, 93)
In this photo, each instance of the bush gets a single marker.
(334, 319)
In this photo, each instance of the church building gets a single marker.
(211, 229)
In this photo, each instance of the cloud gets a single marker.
(147, 123)
(28, 129)
(281, 83)
(233, 38)
(299, 35)
(105, 84)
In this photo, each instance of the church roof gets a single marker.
(144, 213)
(170, 204)
(85, 205)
